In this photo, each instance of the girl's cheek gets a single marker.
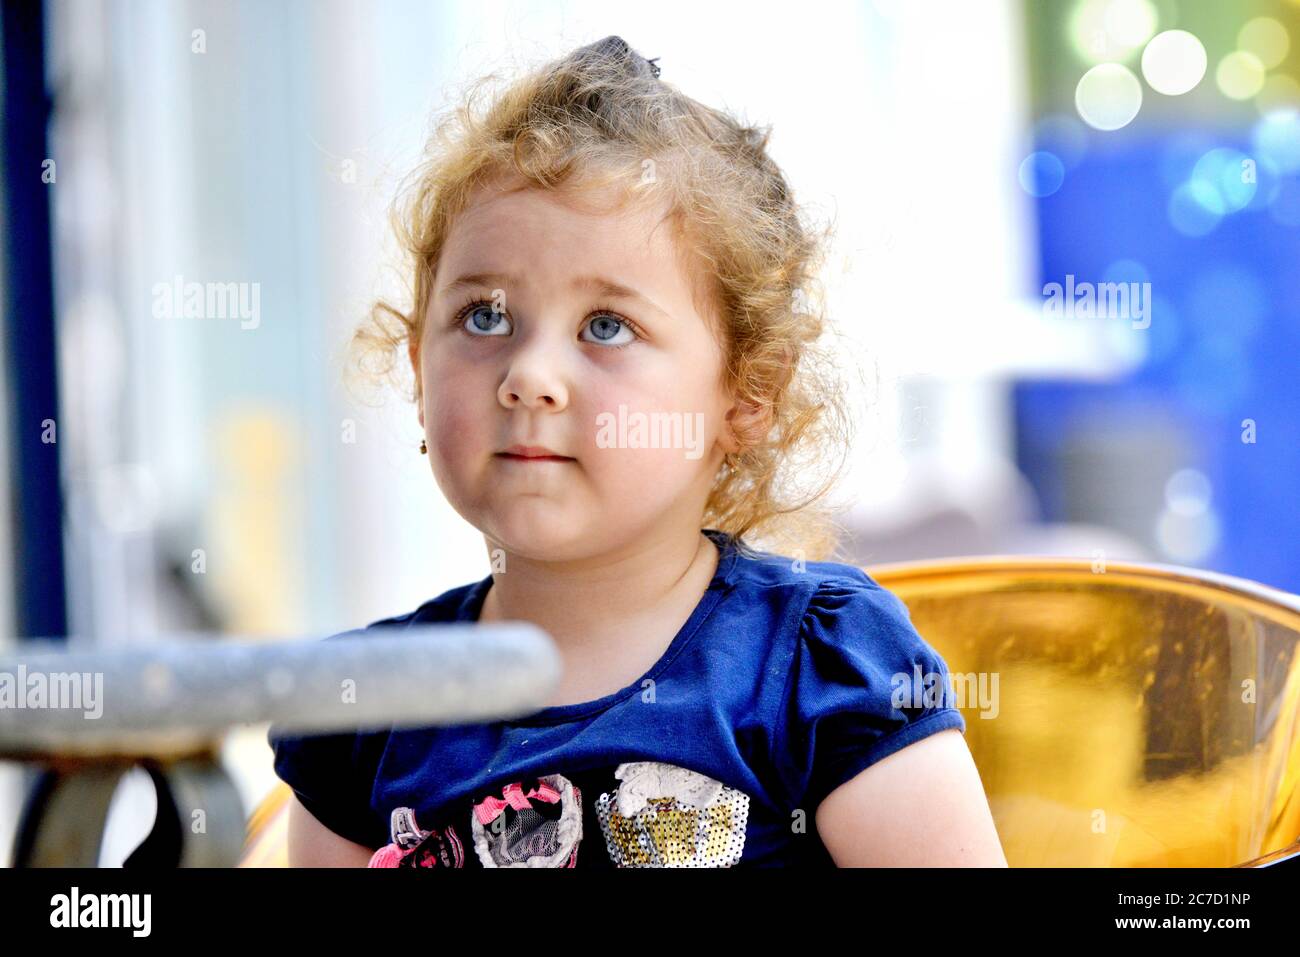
(668, 417)
(455, 410)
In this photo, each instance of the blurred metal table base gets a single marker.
(64, 817)
(92, 716)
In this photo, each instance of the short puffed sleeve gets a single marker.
(862, 684)
(333, 776)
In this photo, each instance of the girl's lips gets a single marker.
(532, 452)
(533, 458)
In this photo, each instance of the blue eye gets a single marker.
(607, 325)
(478, 319)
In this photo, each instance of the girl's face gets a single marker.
(575, 331)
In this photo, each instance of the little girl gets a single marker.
(615, 405)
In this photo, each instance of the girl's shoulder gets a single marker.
(842, 611)
(828, 589)
(820, 609)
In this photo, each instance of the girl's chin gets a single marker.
(533, 535)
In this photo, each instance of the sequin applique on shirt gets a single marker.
(661, 815)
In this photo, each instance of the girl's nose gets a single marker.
(533, 385)
(530, 400)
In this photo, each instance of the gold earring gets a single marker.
(424, 449)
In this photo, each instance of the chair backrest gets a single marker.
(1120, 715)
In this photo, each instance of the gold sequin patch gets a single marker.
(662, 815)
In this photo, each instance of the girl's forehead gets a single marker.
(612, 206)
(541, 227)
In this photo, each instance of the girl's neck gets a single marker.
(577, 604)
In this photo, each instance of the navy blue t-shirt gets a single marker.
(781, 686)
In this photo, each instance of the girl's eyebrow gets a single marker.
(603, 286)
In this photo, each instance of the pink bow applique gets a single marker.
(488, 810)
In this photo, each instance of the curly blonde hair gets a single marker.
(602, 116)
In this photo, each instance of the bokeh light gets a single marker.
(1268, 183)
(1131, 22)
(1181, 152)
(1277, 137)
(1174, 62)
(1108, 96)
(1187, 492)
(1191, 209)
(1188, 528)
(1102, 30)
(1041, 173)
(1240, 75)
(1229, 177)
(1266, 39)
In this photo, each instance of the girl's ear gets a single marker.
(747, 422)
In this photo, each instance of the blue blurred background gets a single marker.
(1193, 448)
(164, 473)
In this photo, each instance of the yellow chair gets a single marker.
(1121, 715)
(267, 841)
